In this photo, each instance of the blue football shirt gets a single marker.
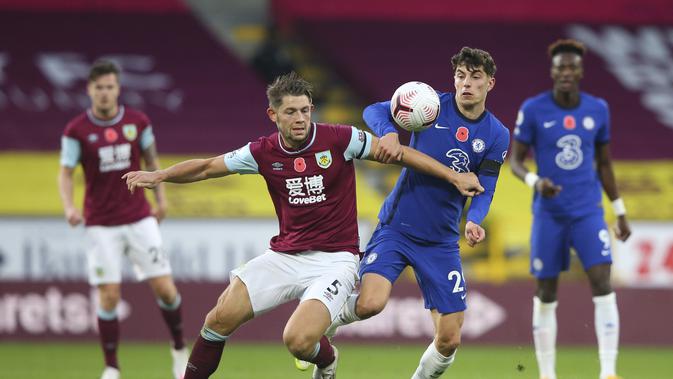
(426, 208)
(564, 144)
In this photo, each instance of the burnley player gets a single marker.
(310, 175)
(569, 132)
(419, 221)
(109, 140)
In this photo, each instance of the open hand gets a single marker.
(142, 179)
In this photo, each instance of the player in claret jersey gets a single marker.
(309, 171)
(110, 140)
(569, 131)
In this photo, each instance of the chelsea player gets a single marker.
(569, 132)
(419, 221)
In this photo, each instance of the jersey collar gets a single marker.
(301, 150)
(470, 121)
(99, 122)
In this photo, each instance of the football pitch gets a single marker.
(254, 361)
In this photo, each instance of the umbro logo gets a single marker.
(548, 124)
(277, 166)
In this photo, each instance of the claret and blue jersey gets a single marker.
(564, 143)
(427, 208)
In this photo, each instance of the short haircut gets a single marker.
(566, 46)
(103, 67)
(473, 59)
(289, 84)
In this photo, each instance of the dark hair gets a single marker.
(103, 67)
(289, 84)
(566, 46)
(473, 59)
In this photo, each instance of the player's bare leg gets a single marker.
(108, 327)
(303, 336)
(373, 297)
(374, 294)
(441, 352)
(233, 309)
(606, 319)
(544, 326)
(170, 304)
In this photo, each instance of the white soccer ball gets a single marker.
(414, 106)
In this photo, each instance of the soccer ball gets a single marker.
(414, 106)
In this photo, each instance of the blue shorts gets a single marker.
(437, 267)
(552, 238)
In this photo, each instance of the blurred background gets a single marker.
(199, 69)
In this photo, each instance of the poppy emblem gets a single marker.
(569, 122)
(462, 134)
(111, 135)
(299, 164)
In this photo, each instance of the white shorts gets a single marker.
(140, 241)
(275, 278)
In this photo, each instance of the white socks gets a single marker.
(544, 335)
(345, 317)
(433, 363)
(606, 322)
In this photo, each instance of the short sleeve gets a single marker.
(524, 131)
(241, 161)
(70, 151)
(498, 151)
(603, 133)
(359, 146)
(147, 138)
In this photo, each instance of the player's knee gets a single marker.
(219, 321)
(601, 288)
(367, 307)
(299, 345)
(545, 295)
(109, 296)
(447, 343)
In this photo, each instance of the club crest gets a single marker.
(130, 131)
(324, 159)
(478, 145)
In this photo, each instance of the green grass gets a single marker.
(248, 361)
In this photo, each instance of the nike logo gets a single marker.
(442, 127)
(548, 124)
(463, 296)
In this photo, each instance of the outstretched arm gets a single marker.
(607, 176)
(466, 183)
(378, 119)
(189, 171)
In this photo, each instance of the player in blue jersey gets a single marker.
(419, 221)
(569, 132)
